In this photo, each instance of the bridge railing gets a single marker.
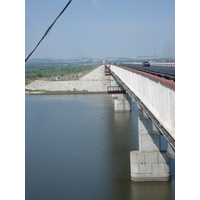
(115, 90)
(164, 64)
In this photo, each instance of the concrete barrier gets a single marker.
(164, 64)
(158, 97)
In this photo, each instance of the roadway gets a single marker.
(155, 69)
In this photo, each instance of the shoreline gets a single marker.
(94, 82)
(61, 92)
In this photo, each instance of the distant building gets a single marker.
(58, 78)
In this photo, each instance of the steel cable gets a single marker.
(48, 30)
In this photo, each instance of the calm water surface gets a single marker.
(77, 147)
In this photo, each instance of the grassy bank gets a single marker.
(49, 73)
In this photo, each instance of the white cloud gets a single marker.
(97, 5)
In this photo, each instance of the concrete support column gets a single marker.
(149, 163)
(122, 104)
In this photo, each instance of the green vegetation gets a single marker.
(69, 72)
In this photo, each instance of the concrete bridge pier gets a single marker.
(149, 163)
(122, 103)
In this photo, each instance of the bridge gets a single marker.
(155, 100)
(154, 95)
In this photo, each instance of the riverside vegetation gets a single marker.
(66, 72)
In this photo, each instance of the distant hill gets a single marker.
(92, 61)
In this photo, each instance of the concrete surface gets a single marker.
(94, 81)
(150, 166)
(148, 141)
(157, 97)
(121, 104)
(149, 163)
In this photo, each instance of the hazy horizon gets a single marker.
(100, 29)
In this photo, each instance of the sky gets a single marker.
(100, 28)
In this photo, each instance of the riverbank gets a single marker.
(93, 82)
(60, 92)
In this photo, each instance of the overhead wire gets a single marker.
(48, 30)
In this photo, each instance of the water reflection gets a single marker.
(77, 147)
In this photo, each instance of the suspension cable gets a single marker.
(48, 30)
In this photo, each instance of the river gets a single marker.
(77, 147)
